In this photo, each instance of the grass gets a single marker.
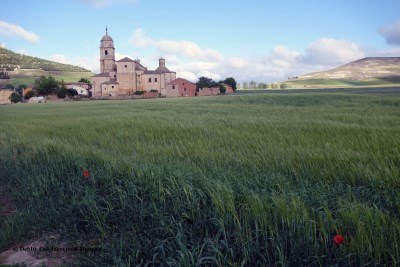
(343, 83)
(250, 180)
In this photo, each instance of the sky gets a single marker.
(260, 40)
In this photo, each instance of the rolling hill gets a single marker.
(371, 71)
(11, 61)
(24, 69)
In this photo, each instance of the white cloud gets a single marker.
(90, 63)
(140, 40)
(105, 3)
(332, 52)
(187, 75)
(191, 61)
(12, 30)
(391, 33)
(181, 48)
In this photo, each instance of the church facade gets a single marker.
(126, 76)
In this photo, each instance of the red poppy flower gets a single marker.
(86, 174)
(338, 240)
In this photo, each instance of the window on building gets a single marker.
(149, 80)
(113, 87)
(115, 76)
(155, 79)
(184, 89)
(106, 52)
(173, 86)
(126, 66)
(183, 83)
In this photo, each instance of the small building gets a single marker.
(179, 87)
(37, 99)
(229, 89)
(207, 91)
(5, 96)
(80, 87)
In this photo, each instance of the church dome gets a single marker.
(107, 38)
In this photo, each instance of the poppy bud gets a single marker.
(86, 174)
(338, 240)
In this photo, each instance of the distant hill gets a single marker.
(11, 60)
(366, 68)
(370, 71)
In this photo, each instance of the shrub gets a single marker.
(29, 94)
(85, 80)
(46, 85)
(4, 75)
(15, 97)
(62, 93)
(231, 82)
(139, 92)
(222, 88)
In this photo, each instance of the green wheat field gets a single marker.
(243, 180)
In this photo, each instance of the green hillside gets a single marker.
(11, 60)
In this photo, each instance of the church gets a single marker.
(126, 76)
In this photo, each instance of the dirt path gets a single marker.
(46, 251)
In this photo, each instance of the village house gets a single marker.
(5, 96)
(81, 87)
(208, 91)
(180, 87)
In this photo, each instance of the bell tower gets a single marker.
(107, 53)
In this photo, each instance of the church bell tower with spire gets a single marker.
(107, 54)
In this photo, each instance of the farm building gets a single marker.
(5, 96)
(180, 87)
(80, 87)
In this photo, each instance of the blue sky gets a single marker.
(250, 40)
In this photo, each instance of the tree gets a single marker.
(205, 82)
(253, 84)
(231, 82)
(15, 97)
(46, 85)
(245, 85)
(262, 86)
(85, 80)
(29, 94)
(283, 86)
(62, 90)
(62, 93)
(222, 88)
(20, 88)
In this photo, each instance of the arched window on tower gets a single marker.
(106, 52)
